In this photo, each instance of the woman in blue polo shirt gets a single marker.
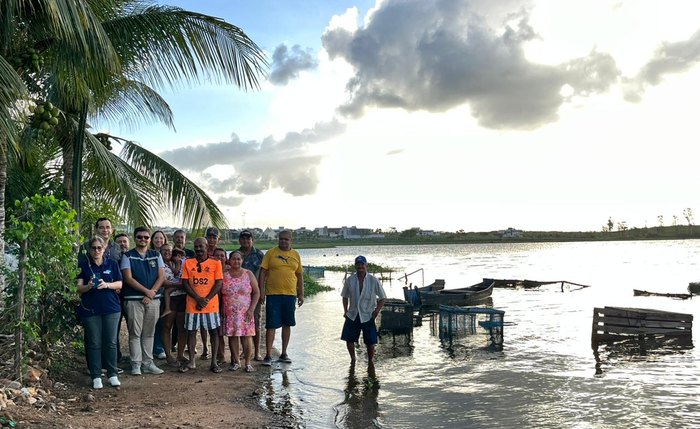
(99, 281)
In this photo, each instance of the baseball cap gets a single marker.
(245, 233)
(212, 230)
(361, 260)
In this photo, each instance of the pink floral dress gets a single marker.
(236, 293)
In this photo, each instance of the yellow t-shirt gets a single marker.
(202, 278)
(282, 267)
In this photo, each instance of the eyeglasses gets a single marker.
(96, 247)
(143, 237)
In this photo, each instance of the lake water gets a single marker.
(545, 375)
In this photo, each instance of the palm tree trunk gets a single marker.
(3, 184)
(77, 171)
(19, 311)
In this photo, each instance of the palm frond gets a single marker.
(11, 89)
(164, 45)
(129, 103)
(106, 174)
(184, 198)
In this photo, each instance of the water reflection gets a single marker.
(279, 399)
(395, 345)
(360, 408)
(610, 355)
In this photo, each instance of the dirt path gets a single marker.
(196, 399)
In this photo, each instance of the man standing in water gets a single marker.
(281, 285)
(363, 299)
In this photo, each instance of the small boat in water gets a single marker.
(461, 296)
(638, 292)
(412, 294)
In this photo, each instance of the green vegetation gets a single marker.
(371, 267)
(312, 286)
(40, 305)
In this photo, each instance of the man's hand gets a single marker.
(150, 293)
(300, 300)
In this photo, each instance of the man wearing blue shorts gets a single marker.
(281, 289)
(363, 299)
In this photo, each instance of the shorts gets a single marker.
(208, 321)
(352, 328)
(279, 311)
(178, 303)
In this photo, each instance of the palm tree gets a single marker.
(149, 46)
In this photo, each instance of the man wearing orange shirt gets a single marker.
(202, 278)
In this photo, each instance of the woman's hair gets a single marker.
(153, 246)
(234, 252)
(97, 239)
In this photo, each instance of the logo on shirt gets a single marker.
(152, 263)
(286, 260)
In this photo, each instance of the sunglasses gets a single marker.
(199, 267)
(96, 247)
(143, 237)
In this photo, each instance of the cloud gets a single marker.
(254, 167)
(395, 152)
(286, 64)
(436, 55)
(230, 201)
(668, 58)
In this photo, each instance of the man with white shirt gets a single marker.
(363, 299)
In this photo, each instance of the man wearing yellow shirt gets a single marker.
(281, 287)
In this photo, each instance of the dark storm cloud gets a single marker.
(436, 55)
(668, 58)
(256, 167)
(286, 63)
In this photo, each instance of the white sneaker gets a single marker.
(161, 355)
(114, 381)
(97, 383)
(136, 368)
(151, 368)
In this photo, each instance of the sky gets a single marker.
(451, 115)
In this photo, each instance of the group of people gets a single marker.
(203, 290)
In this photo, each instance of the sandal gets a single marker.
(258, 358)
(249, 368)
(183, 369)
(234, 367)
(215, 369)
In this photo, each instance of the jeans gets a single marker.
(141, 320)
(158, 340)
(101, 345)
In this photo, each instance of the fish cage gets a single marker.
(458, 322)
(396, 317)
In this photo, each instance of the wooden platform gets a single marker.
(618, 323)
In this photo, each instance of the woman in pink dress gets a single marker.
(240, 294)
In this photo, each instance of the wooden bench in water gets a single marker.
(619, 323)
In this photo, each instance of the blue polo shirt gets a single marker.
(144, 269)
(97, 302)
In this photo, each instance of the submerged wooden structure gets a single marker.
(638, 292)
(620, 323)
(530, 284)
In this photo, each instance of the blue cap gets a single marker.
(361, 260)
(212, 230)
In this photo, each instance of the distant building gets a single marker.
(511, 233)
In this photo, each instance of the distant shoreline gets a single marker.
(635, 234)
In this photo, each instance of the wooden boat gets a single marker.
(412, 294)
(460, 296)
(638, 292)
